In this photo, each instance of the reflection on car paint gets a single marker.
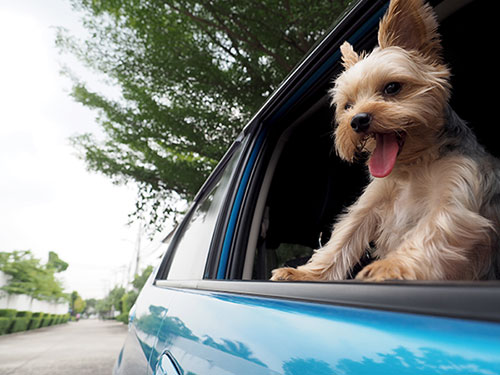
(232, 334)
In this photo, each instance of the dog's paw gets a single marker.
(384, 269)
(287, 274)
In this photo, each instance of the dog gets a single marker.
(432, 206)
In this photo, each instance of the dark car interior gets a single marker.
(311, 185)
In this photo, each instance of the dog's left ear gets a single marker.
(412, 25)
(349, 56)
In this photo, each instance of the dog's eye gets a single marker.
(392, 88)
(348, 106)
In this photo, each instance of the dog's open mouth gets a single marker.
(383, 158)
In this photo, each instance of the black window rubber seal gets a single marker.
(463, 300)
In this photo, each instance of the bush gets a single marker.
(47, 319)
(19, 324)
(123, 317)
(36, 320)
(4, 324)
(66, 318)
(8, 313)
(35, 323)
(24, 314)
(21, 321)
(16, 321)
(52, 319)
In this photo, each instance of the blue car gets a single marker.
(209, 307)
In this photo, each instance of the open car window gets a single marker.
(303, 189)
(301, 186)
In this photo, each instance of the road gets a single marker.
(80, 348)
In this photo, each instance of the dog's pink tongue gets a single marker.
(384, 156)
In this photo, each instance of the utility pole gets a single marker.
(138, 250)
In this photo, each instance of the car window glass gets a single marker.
(194, 243)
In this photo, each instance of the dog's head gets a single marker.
(390, 102)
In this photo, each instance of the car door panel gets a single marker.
(145, 321)
(214, 333)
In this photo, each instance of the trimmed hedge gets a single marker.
(8, 313)
(34, 323)
(24, 314)
(4, 324)
(12, 321)
(19, 324)
(66, 317)
(21, 321)
(36, 320)
(47, 320)
(9, 316)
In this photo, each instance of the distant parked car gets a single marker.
(209, 309)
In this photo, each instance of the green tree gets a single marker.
(190, 74)
(121, 300)
(115, 297)
(140, 280)
(127, 301)
(77, 303)
(129, 298)
(104, 308)
(55, 263)
(90, 306)
(29, 276)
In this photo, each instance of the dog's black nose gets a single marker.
(361, 122)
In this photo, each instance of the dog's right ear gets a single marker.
(349, 56)
(412, 25)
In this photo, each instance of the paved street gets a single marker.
(84, 347)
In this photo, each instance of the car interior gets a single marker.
(305, 185)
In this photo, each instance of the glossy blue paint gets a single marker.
(212, 333)
(144, 323)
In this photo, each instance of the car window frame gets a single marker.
(204, 191)
(450, 299)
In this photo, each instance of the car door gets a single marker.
(213, 332)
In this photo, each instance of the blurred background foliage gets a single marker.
(28, 275)
(190, 74)
(118, 301)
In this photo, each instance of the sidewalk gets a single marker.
(80, 348)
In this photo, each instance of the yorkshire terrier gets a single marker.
(432, 208)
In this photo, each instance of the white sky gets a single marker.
(48, 200)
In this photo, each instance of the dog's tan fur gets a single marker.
(436, 215)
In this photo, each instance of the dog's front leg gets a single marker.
(449, 243)
(350, 237)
